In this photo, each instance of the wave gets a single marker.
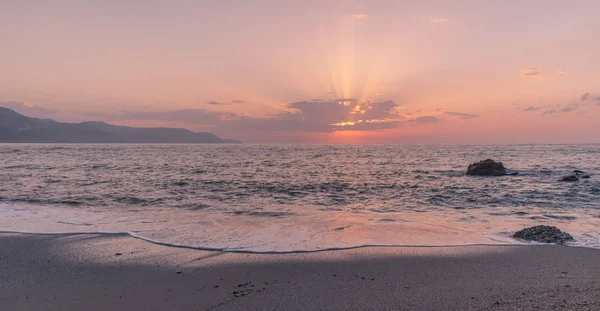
(300, 251)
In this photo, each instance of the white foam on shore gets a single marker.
(301, 233)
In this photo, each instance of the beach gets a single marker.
(119, 272)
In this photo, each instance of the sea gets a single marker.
(298, 198)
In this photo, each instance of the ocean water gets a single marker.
(284, 198)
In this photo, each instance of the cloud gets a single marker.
(461, 115)
(532, 108)
(438, 20)
(585, 97)
(191, 116)
(339, 114)
(30, 110)
(549, 112)
(560, 109)
(322, 116)
(342, 114)
(562, 71)
(569, 108)
(218, 103)
(425, 119)
(532, 72)
(215, 103)
(305, 116)
(368, 126)
(360, 16)
(576, 106)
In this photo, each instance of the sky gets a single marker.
(266, 71)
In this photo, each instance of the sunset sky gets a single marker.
(311, 71)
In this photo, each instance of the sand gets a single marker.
(118, 272)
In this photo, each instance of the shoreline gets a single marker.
(251, 252)
(300, 233)
(98, 272)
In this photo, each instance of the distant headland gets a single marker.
(17, 128)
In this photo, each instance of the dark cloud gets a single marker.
(329, 116)
(569, 108)
(532, 72)
(425, 119)
(549, 112)
(576, 106)
(461, 115)
(341, 110)
(588, 97)
(560, 109)
(215, 103)
(369, 126)
(532, 108)
(324, 116)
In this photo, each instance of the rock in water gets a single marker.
(579, 174)
(544, 234)
(570, 178)
(487, 168)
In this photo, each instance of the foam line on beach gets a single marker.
(244, 251)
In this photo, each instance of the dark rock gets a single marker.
(487, 168)
(118, 254)
(544, 234)
(586, 176)
(578, 172)
(570, 178)
(512, 173)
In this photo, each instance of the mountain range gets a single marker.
(17, 128)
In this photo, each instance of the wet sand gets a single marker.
(118, 272)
